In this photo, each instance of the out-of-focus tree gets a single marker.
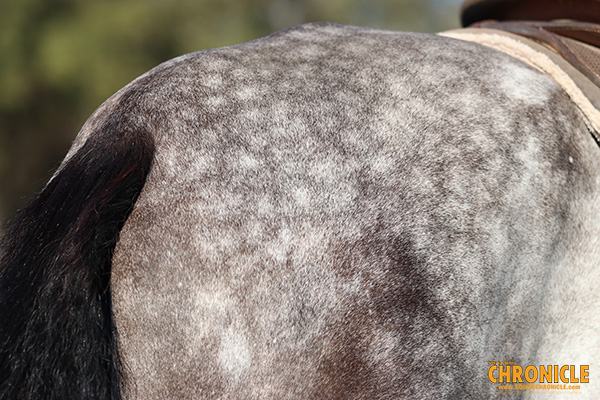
(59, 59)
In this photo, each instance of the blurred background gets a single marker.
(60, 59)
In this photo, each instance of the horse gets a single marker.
(327, 212)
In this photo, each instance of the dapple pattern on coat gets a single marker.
(339, 212)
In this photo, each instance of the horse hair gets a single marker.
(56, 326)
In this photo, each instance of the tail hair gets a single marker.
(56, 328)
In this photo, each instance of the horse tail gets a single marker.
(56, 328)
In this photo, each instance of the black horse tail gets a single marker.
(56, 328)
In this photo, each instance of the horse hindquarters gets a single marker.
(366, 227)
(337, 212)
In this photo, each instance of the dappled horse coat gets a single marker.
(327, 212)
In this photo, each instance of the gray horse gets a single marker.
(329, 212)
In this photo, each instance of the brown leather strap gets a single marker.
(538, 10)
(578, 43)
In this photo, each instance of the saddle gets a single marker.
(576, 40)
(558, 37)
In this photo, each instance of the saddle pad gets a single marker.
(576, 42)
(580, 89)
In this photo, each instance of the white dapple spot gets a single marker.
(524, 84)
(234, 354)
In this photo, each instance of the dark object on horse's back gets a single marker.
(540, 10)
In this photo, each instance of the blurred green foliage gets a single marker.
(59, 59)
